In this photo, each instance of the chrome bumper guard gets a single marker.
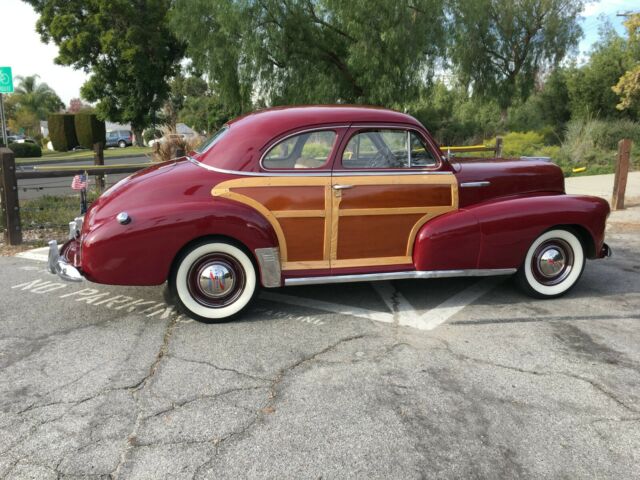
(606, 251)
(59, 265)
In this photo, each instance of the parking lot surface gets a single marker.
(458, 378)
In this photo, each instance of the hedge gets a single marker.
(62, 132)
(26, 150)
(89, 130)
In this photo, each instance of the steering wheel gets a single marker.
(379, 161)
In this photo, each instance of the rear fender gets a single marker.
(142, 252)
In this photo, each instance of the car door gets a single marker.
(387, 182)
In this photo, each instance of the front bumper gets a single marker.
(60, 266)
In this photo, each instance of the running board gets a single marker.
(373, 277)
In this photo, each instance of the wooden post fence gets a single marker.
(498, 147)
(9, 198)
(622, 173)
(98, 159)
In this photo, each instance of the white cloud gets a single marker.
(27, 55)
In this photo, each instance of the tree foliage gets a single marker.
(590, 85)
(312, 51)
(628, 86)
(35, 97)
(126, 46)
(499, 47)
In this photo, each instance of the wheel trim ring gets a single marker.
(567, 254)
(206, 300)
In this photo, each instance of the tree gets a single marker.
(499, 47)
(312, 51)
(589, 85)
(76, 106)
(126, 46)
(35, 98)
(628, 86)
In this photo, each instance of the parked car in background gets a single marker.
(21, 139)
(119, 138)
(320, 195)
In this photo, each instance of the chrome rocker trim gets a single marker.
(371, 277)
(59, 265)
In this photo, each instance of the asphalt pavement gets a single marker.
(38, 187)
(444, 378)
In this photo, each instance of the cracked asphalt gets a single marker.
(109, 382)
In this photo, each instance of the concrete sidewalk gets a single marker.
(602, 186)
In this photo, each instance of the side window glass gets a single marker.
(386, 149)
(306, 150)
(420, 154)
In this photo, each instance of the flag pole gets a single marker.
(83, 195)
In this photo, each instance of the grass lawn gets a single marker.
(88, 154)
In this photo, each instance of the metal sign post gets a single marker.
(6, 86)
(3, 122)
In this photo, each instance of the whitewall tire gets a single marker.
(554, 263)
(213, 281)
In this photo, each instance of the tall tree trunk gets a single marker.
(137, 134)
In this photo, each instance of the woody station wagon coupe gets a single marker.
(330, 194)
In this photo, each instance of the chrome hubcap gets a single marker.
(552, 262)
(216, 280)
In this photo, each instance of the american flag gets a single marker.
(79, 182)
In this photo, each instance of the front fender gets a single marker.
(497, 234)
(141, 252)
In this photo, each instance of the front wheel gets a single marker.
(213, 281)
(553, 265)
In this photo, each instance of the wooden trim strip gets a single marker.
(298, 213)
(306, 265)
(353, 212)
(365, 262)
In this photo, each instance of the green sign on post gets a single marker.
(6, 80)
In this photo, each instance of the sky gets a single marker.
(22, 49)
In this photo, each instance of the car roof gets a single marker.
(248, 135)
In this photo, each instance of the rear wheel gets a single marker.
(553, 265)
(122, 144)
(213, 281)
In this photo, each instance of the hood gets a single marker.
(505, 177)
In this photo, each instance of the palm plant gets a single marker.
(35, 97)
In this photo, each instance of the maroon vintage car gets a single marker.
(330, 194)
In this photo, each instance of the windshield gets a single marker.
(211, 141)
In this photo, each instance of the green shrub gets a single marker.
(62, 132)
(26, 150)
(89, 130)
(522, 144)
(151, 134)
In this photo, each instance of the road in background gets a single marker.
(38, 187)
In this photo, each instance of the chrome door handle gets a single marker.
(341, 187)
(475, 184)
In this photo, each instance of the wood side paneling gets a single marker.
(374, 236)
(286, 198)
(305, 238)
(396, 196)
